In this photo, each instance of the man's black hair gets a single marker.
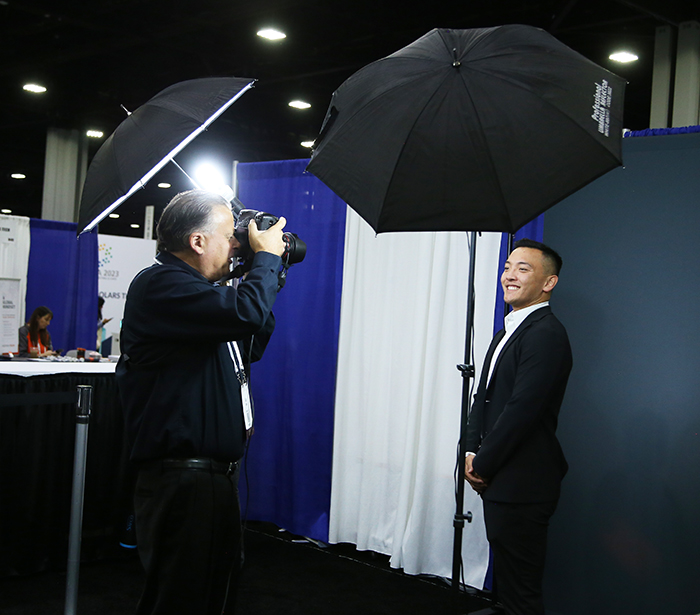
(187, 213)
(551, 257)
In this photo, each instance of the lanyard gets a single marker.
(242, 378)
(246, 402)
(235, 353)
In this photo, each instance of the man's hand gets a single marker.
(477, 483)
(269, 240)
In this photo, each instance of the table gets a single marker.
(43, 367)
(37, 436)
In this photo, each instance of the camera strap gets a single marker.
(242, 377)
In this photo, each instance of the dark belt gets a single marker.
(204, 465)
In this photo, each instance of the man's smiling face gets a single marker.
(526, 279)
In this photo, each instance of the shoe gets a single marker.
(128, 537)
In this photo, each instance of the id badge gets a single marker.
(247, 406)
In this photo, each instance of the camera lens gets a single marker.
(296, 249)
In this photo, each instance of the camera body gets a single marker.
(295, 248)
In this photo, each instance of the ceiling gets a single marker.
(96, 56)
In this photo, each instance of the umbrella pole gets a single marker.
(467, 371)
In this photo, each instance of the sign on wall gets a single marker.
(15, 241)
(9, 314)
(121, 258)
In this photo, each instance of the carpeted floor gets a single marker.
(280, 576)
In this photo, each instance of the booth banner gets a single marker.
(14, 261)
(10, 314)
(120, 259)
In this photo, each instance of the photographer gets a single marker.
(183, 386)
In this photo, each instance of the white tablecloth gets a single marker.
(45, 368)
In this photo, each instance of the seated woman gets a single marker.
(34, 339)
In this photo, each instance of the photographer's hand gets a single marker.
(269, 240)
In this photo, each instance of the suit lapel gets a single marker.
(534, 317)
(489, 356)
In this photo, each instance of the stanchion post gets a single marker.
(82, 421)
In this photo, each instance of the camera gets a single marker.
(295, 250)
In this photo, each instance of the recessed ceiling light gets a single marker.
(299, 104)
(5, 211)
(308, 144)
(18, 176)
(113, 215)
(95, 134)
(34, 88)
(623, 57)
(135, 226)
(271, 34)
(164, 185)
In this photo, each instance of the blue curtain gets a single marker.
(62, 275)
(654, 132)
(286, 476)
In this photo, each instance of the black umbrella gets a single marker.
(149, 138)
(474, 130)
(478, 130)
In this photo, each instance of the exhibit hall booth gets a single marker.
(358, 400)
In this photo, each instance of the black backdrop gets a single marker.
(626, 538)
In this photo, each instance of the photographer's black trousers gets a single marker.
(188, 527)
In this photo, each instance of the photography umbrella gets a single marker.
(149, 138)
(478, 130)
(472, 130)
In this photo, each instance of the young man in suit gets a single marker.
(514, 459)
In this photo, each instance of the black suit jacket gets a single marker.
(176, 380)
(513, 420)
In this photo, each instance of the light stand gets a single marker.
(467, 370)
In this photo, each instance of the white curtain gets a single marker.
(398, 398)
(14, 262)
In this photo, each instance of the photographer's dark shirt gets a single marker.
(176, 378)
